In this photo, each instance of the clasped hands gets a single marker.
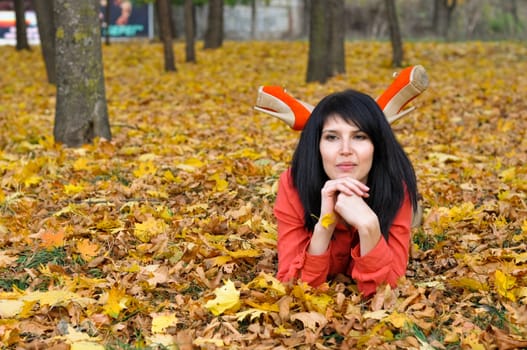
(344, 197)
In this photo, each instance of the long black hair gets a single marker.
(391, 173)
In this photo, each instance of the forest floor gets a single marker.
(165, 235)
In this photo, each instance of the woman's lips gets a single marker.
(346, 166)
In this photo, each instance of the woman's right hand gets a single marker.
(332, 188)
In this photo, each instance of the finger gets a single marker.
(333, 188)
(352, 187)
(363, 187)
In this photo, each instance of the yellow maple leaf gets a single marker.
(145, 168)
(319, 302)
(52, 239)
(263, 306)
(504, 284)
(472, 340)
(149, 229)
(160, 322)
(32, 180)
(70, 189)
(398, 320)
(221, 184)
(266, 281)
(81, 164)
(227, 298)
(466, 211)
(55, 298)
(469, 283)
(327, 220)
(169, 176)
(107, 224)
(508, 175)
(190, 164)
(87, 249)
(518, 258)
(117, 301)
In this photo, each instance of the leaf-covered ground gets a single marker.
(166, 234)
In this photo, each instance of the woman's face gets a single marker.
(345, 150)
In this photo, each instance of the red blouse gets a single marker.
(385, 263)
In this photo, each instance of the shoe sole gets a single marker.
(409, 84)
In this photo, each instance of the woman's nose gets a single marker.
(346, 147)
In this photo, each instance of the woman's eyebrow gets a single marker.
(336, 131)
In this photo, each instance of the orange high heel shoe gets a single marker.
(408, 84)
(274, 100)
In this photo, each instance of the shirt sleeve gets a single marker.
(388, 260)
(294, 239)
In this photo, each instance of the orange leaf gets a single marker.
(87, 249)
(52, 239)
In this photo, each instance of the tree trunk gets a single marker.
(253, 19)
(21, 26)
(166, 34)
(513, 10)
(81, 113)
(450, 6)
(46, 32)
(190, 51)
(106, 22)
(436, 15)
(173, 26)
(395, 33)
(214, 33)
(443, 10)
(337, 31)
(318, 65)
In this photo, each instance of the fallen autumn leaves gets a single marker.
(166, 234)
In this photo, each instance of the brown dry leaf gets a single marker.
(311, 320)
(506, 341)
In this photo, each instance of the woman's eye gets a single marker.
(330, 137)
(361, 136)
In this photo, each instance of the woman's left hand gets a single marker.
(354, 210)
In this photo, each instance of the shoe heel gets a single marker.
(408, 84)
(419, 78)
